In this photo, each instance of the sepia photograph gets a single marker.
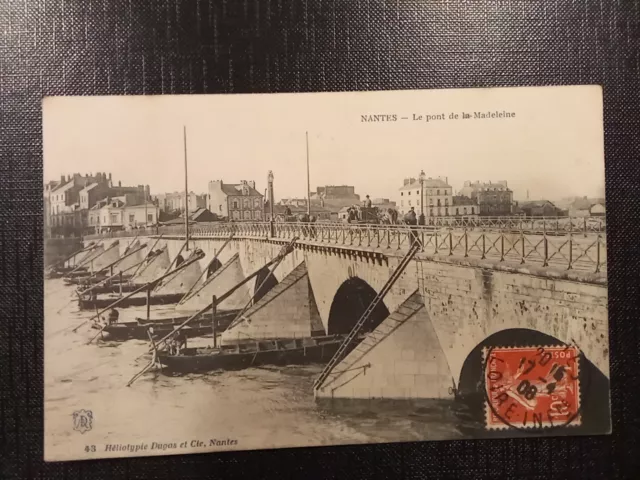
(260, 271)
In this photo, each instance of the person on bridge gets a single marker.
(287, 211)
(411, 220)
(367, 202)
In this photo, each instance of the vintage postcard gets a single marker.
(236, 272)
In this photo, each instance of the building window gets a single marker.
(409, 193)
(446, 202)
(438, 202)
(465, 210)
(401, 194)
(402, 203)
(247, 203)
(438, 192)
(431, 212)
(431, 201)
(457, 211)
(446, 211)
(418, 202)
(235, 204)
(409, 202)
(247, 215)
(472, 212)
(132, 218)
(256, 203)
(417, 192)
(150, 217)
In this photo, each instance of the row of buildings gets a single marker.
(80, 204)
(434, 197)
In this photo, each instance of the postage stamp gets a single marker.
(532, 387)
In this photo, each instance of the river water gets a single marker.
(250, 409)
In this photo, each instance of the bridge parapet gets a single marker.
(567, 250)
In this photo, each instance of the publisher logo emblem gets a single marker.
(82, 420)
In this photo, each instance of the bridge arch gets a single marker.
(594, 385)
(265, 281)
(349, 303)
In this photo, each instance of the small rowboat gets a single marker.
(138, 328)
(110, 288)
(89, 280)
(297, 351)
(223, 319)
(133, 330)
(106, 300)
(59, 272)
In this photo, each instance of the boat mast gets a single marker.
(308, 183)
(186, 193)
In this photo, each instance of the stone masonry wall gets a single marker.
(468, 303)
(401, 359)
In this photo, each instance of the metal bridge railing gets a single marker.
(566, 249)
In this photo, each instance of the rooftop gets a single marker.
(427, 183)
(236, 189)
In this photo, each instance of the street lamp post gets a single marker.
(271, 200)
(422, 177)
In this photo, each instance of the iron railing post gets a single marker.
(483, 245)
(570, 251)
(466, 243)
(598, 254)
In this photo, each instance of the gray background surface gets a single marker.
(178, 47)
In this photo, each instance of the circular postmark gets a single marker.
(532, 388)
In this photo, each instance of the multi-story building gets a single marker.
(174, 202)
(335, 197)
(437, 197)
(121, 213)
(493, 198)
(236, 201)
(69, 200)
(48, 187)
(464, 207)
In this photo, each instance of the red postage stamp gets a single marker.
(532, 387)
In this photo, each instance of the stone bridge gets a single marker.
(467, 289)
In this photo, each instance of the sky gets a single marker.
(552, 147)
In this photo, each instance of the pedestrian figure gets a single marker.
(367, 202)
(411, 220)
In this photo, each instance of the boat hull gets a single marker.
(121, 332)
(126, 288)
(134, 301)
(191, 362)
(92, 279)
(161, 327)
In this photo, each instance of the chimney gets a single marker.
(109, 176)
(61, 178)
(119, 183)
